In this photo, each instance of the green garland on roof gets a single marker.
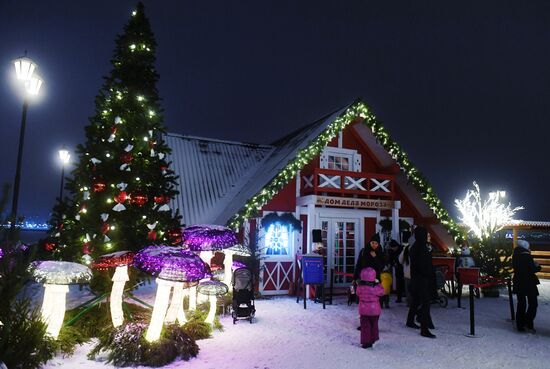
(356, 111)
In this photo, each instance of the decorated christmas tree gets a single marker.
(121, 187)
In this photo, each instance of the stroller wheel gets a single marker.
(443, 301)
(234, 321)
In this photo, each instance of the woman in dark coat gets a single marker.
(525, 286)
(422, 282)
(370, 257)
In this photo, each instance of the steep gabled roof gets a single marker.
(278, 164)
(210, 173)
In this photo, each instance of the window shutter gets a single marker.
(323, 160)
(357, 162)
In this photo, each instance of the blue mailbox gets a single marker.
(312, 269)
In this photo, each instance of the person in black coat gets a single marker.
(370, 256)
(525, 286)
(422, 282)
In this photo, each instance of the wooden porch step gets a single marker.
(542, 261)
(541, 253)
(543, 275)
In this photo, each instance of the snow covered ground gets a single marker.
(284, 335)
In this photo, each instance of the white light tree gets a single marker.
(484, 217)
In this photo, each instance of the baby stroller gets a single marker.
(440, 297)
(243, 295)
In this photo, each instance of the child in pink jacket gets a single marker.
(369, 292)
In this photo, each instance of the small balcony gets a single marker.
(345, 182)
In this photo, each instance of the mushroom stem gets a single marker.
(53, 307)
(119, 280)
(193, 298)
(212, 311)
(176, 305)
(228, 267)
(159, 309)
(206, 256)
(181, 313)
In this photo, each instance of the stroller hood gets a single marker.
(242, 279)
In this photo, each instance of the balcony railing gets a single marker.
(345, 182)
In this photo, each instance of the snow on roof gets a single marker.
(210, 172)
(528, 223)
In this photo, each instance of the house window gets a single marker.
(277, 240)
(337, 162)
(340, 159)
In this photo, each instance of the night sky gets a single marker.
(463, 86)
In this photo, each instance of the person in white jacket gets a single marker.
(405, 261)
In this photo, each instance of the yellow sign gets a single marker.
(346, 202)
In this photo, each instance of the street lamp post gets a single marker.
(25, 73)
(64, 157)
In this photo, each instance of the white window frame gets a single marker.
(354, 158)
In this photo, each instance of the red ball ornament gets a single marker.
(105, 228)
(152, 143)
(126, 158)
(175, 236)
(50, 245)
(121, 197)
(152, 235)
(161, 199)
(86, 248)
(139, 199)
(98, 186)
(114, 129)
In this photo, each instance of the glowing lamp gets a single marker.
(56, 277)
(212, 289)
(64, 156)
(175, 268)
(120, 261)
(24, 68)
(33, 85)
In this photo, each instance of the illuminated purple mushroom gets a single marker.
(205, 239)
(175, 268)
(212, 289)
(120, 261)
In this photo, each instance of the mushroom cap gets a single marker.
(211, 288)
(172, 263)
(237, 265)
(240, 250)
(208, 237)
(60, 272)
(113, 260)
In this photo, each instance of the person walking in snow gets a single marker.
(525, 286)
(369, 291)
(422, 282)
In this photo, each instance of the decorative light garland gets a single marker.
(358, 112)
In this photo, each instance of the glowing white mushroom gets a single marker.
(175, 268)
(120, 261)
(212, 289)
(56, 277)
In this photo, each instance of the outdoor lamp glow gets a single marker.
(33, 85)
(24, 68)
(64, 156)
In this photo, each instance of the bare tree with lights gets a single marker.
(122, 185)
(484, 218)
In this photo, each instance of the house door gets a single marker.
(341, 239)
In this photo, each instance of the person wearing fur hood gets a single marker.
(525, 286)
